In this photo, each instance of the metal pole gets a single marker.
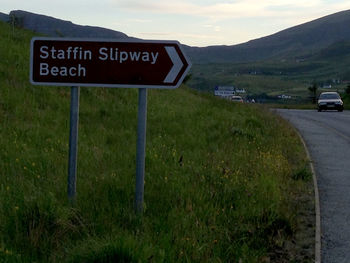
(141, 150)
(73, 143)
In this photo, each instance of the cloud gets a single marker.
(214, 28)
(137, 20)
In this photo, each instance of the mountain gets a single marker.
(60, 28)
(4, 17)
(302, 40)
(335, 51)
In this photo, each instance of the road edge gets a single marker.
(317, 202)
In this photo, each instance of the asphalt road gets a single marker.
(327, 136)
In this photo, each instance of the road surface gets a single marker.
(327, 136)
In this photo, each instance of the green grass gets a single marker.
(206, 77)
(273, 77)
(346, 100)
(222, 180)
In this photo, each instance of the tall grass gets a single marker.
(220, 182)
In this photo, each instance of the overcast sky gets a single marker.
(192, 22)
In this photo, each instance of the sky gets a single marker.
(192, 22)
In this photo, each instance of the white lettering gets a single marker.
(69, 53)
(145, 56)
(60, 54)
(53, 52)
(116, 54)
(73, 71)
(63, 72)
(123, 56)
(81, 71)
(135, 56)
(69, 50)
(78, 71)
(75, 51)
(154, 57)
(44, 52)
(113, 54)
(103, 55)
(87, 55)
(44, 69)
(54, 71)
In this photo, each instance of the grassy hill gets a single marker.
(224, 182)
(330, 66)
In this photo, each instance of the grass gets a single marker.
(346, 100)
(222, 181)
(247, 76)
(273, 77)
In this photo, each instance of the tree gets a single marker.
(313, 91)
(347, 90)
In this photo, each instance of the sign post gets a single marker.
(73, 143)
(79, 63)
(141, 150)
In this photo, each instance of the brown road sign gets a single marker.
(107, 63)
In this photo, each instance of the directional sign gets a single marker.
(224, 91)
(107, 63)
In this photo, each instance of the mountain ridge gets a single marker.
(303, 39)
(4, 17)
(61, 28)
(296, 42)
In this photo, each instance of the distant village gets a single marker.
(230, 92)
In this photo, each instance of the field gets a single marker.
(224, 182)
(268, 79)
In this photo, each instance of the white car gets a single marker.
(237, 98)
(330, 101)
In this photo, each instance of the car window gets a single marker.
(332, 96)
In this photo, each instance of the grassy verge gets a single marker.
(346, 100)
(223, 181)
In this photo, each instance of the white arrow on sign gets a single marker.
(177, 64)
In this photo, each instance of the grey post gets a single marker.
(73, 143)
(141, 150)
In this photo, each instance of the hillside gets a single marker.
(224, 181)
(335, 51)
(60, 28)
(284, 63)
(296, 42)
(329, 66)
(4, 17)
(299, 41)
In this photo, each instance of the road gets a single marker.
(327, 136)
